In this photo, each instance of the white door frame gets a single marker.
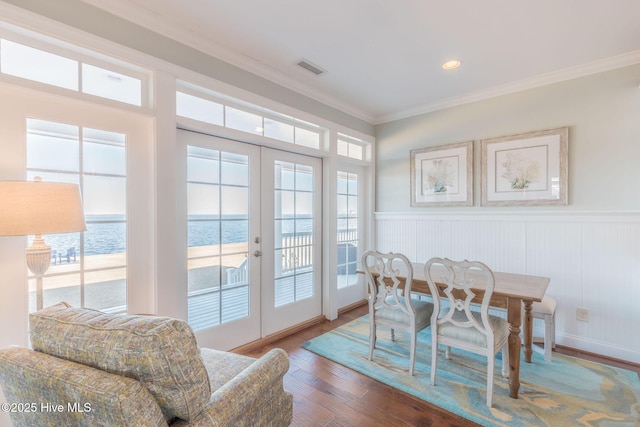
(237, 332)
(276, 319)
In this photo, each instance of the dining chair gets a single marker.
(546, 310)
(456, 324)
(389, 277)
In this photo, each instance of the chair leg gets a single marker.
(553, 330)
(490, 369)
(412, 354)
(372, 339)
(434, 360)
(505, 360)
(447, 352)
(548, 336)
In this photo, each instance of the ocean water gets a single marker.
(107, 234)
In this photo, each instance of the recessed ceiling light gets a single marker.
(451, 65)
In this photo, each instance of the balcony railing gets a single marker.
(204, 305)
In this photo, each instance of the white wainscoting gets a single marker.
(592, 258)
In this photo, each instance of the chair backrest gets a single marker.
(387, 275)
(91, 397)
(455, 281)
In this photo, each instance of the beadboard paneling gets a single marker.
(592, 258)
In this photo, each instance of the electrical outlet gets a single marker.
(582, 314)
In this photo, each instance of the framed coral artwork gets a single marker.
(526, 169)
(443, 175)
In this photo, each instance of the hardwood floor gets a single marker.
(328, 394)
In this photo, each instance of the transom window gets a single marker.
(351, 147)
(202, 105)
(21, 60)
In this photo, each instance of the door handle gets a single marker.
(257, 254)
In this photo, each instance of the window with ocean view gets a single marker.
(88, 269)
(293, 224)
(347, 252)
(218, 224)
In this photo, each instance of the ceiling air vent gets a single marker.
(310, 67)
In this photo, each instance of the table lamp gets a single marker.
(37, 207)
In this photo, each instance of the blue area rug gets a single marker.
(563, 392)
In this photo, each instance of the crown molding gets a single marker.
(151, 21)
(607, 64)
(154, 22)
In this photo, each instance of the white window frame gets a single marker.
(82, 56)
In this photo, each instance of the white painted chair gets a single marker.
(546, 310)
(458, 325)
(389, 304)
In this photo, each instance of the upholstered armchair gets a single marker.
(88, 368)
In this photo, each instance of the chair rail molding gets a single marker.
(492, 215)
(592, 258)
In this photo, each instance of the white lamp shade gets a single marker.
(36, 207)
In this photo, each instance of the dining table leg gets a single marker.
(514, 314)
(528, 330)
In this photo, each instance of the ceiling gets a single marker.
(384, 57)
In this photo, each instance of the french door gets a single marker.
(254, 236)
(292, 229)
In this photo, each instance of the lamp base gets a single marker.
(38, 261)
(38, 256)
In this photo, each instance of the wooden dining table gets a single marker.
(511, 292)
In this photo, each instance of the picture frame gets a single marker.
(529, 169)
(442, 175)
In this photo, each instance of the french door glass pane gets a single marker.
(235, 169)
(203, 165)
(87, 269)
(293, 232)
(218, 235)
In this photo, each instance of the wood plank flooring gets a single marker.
(328, 394)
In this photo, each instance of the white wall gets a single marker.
(590, 249)
(591, 258)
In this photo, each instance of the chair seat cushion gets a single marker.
(471, 335)
(546, 306)
(160, 352)
(423, 309)
(222, 366)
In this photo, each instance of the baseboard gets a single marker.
(348, 308)
(596, 348)
(580, 353)
(278, 335)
